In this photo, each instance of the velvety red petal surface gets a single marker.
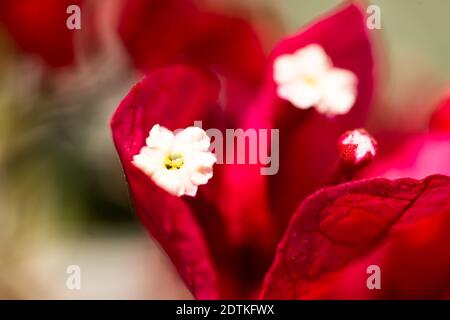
(173, 97)
(161, 32)
(38, 27)
(307, 138)
(338, 232)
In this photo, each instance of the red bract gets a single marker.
(222, 241)
(157, 33)
(174, 98)
(400, 226)
(38, 27)
(440, 121)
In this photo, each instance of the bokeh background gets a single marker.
(63, 197)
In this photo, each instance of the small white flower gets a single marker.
(307, 78)
(177, 163)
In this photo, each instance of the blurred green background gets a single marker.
(63, 198)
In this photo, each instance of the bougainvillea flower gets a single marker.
(169, 218)
(178, 163)
(222, 241)
(158, 33)
(38, 27)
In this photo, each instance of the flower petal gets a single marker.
(149, 160)
(311, 60)
(338, 92)
(160, 138)
(301, 94)
(338, 232)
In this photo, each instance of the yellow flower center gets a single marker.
(173, 161)
(311, 80)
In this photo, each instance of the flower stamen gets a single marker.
(174, 161)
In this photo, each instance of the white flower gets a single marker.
(307, 78)
(177, 163)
